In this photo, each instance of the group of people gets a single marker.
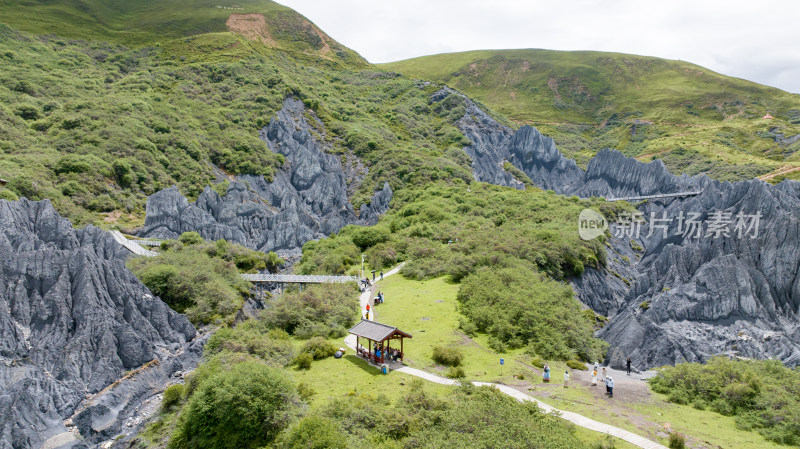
(365, 284)
(608, 380)
(378, 299)
(391, 354)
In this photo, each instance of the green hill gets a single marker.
(137, 23)
(693, 118)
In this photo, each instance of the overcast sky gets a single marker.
(757, 40)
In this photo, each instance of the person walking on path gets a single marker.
(610, 387)
(596, 366)
(604, 374)
(546, 373)
(628, 365)
(566, 378)
(381, 274)
(594, 377)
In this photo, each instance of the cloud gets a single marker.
(751, 40)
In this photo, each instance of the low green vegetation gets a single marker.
(468, 417)
(96, 127)
(695, 120)
(447, 355)
(201, 279)
(456, 228)
(762, 395)
(243, 405)
(518, 306)
(251, 392)
(510, 250)
(316, 311)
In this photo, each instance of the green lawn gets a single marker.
(428, 311)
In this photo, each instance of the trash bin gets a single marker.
(384, 369)
(338, 354)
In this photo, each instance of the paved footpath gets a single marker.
(578, 420)
(367, 296)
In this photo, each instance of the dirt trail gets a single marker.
(785, 170)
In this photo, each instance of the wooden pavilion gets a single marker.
(379, 336)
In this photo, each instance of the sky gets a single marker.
(755, 40)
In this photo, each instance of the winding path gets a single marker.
(578, 420)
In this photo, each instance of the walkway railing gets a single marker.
(131, 245)
(650, 197)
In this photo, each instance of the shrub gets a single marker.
(574, 364)
(303, 360)
(172, 397)
(644, 305)
(455, 372)
(677, 441)
(754, 391)
(515, 305)
(324, 311)
(205, 288)
(247, 404)
(537, 362)
(319, 348)
(190, 238)
(368, 237)
(6, 194)
(314, 432)
(447, 355)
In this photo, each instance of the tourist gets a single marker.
(596, 365)
(610, 387)
(594, 377)
(604, 374)
(546, 373)
(628, 364)
(381, 274)
(566, 378)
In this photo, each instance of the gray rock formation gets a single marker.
(73, 320)
(734, 295)
(307, 199)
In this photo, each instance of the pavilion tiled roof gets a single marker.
(375, 331)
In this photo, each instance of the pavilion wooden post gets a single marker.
(401, 349)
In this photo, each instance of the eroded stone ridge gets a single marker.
(704, 296)
(306, 200)
(73, 320)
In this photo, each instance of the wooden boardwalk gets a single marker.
(297, 279)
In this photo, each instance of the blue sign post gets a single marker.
(501, 366)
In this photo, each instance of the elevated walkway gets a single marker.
(653, 197)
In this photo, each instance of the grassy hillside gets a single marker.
(694, 119)
(139, 23)
(96, 127)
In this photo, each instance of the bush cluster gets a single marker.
(244, 404)
(201, 279)
(321, 310)
(447, 356)
(519, 306)
(761, 394)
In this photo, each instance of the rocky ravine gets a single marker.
(706, 295)
(308, 198)
(73, 320)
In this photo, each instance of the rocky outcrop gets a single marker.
(73, 320)
(306, 200)
(671, 296)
